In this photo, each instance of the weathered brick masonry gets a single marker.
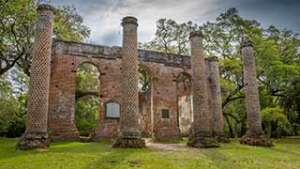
(165, 69)
(255, 134)
(36, 134)
(201, 134)
(130, 125)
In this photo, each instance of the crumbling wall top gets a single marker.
(61, 47)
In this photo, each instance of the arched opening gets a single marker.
(184, 102)
(87, 98)
(145, 100)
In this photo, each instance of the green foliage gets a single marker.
(12, 112)
(17, 26)
(277, 63)
(16, 32)
(171, 37)
(87, 102)
(87, 115)
(275, 122)
(87, 78)
(144, 80)
(69, 24)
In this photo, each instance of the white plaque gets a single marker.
(113, 110)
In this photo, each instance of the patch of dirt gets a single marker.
(169, 146)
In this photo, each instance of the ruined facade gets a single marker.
(169, 94)
(163, 112)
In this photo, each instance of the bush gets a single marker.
(12, 111)
(87, 113)
(275, 122)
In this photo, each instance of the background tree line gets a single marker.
(277, 59)
(278, 67)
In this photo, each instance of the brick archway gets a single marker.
(87, 93)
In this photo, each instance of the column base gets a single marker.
(123, 142)
(202, 141)
(33, 141)
(256, 140)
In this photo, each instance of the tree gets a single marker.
(13, 109)
(275, 122)
(87, 114)
(277, 58)
(17, 21)
(17, 24)
(171, 37)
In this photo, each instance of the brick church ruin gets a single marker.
(184, 95)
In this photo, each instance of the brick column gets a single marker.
(36, 135)
(255, 134)
(216, 100)
(201, 133)
(130, 135)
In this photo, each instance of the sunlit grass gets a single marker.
(75, 155)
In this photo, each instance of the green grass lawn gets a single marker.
(74, 155)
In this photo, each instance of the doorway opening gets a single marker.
(145, 100)
(184, 102)
(87, 105)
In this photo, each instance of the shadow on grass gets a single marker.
(288, 146)
(116, 158)
(8, 148)
(235, 155)
(78, 147)
(218, 158)
(289, 140)
(101, 153)
(107, 157)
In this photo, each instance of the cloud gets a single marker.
(104, 16)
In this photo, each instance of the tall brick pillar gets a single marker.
(36, 135)
(130, 135)
(255, 134)
(216, 100)
(201, 133)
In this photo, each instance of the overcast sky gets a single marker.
(104, 16)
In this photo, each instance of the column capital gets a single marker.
(129, 20)
(246, 42)
(45, 7)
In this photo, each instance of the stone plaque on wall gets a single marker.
(112, 110)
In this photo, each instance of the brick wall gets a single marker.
(164, 70)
